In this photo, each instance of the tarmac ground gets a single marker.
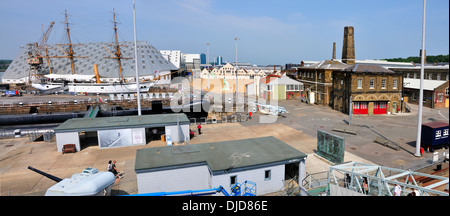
(297, 128)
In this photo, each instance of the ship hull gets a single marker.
(108, 88)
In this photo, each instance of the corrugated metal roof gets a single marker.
(362, 68)
(220, 157)
(150, 61)
(327, 64)
(428, 85)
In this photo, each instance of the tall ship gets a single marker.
(90, 67)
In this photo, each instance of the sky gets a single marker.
(270, 32)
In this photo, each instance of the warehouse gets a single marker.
(266, 161)
(110, 132)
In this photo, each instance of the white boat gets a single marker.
(109, 88)
(45, 86)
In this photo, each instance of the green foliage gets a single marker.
(430, 59)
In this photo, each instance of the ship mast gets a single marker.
(70, 53)
(117, 55)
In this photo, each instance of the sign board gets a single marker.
(121, 137)
(330, 146)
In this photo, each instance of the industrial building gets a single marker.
(266, 161)
(435, 92)
(111, 132)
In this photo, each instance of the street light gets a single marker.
(207, 60)
(419, 121)
(236, 89)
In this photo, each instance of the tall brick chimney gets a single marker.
(348, 47)
(334, 51)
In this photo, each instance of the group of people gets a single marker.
(112, 168)
(397, 190)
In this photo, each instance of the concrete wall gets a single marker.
(199, 178)
(67, 138)
(191, 178)
(263, 186)
(178, 133)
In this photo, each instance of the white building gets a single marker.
(266, 161)
(174, 56)
(229, 71)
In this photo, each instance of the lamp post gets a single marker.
(207, 60)
(136, 63)
(236, 88)
(419, 121)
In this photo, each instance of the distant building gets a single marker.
(174, 56)
(276, 87)
(219, 60)
(435, 92)
(431, 72)
(191, 61)
(373, 90)
(203, 58)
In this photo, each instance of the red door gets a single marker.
(379, 108)
(364, 108)
(356, 109)
(360, 108)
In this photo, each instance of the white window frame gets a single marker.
(395, 83)
(383, 83)
(360, 84)
(372, 83)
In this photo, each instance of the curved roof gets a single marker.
(150, 62)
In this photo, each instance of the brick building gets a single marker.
(317, 80)
(373, 90)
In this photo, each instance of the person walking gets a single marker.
(365, 186)
(397, 190)
(199, 127)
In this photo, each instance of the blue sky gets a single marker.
(270, 32)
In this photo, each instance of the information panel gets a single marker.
(330, 146)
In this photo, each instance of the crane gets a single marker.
(34, 58)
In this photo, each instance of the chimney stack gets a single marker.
(348, 48)
(334, 51)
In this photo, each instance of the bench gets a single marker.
(387, 143)
(69, 148)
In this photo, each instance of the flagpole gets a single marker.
(138, 91)
(419, 121)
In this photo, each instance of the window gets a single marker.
(446, 91)
(267, 175)
(440, 97)
(320, 75)
(233, 180)
(372, 83)
(430, 77)
(394, 85)
(383, 83)
(415, 75)
(359, 83)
